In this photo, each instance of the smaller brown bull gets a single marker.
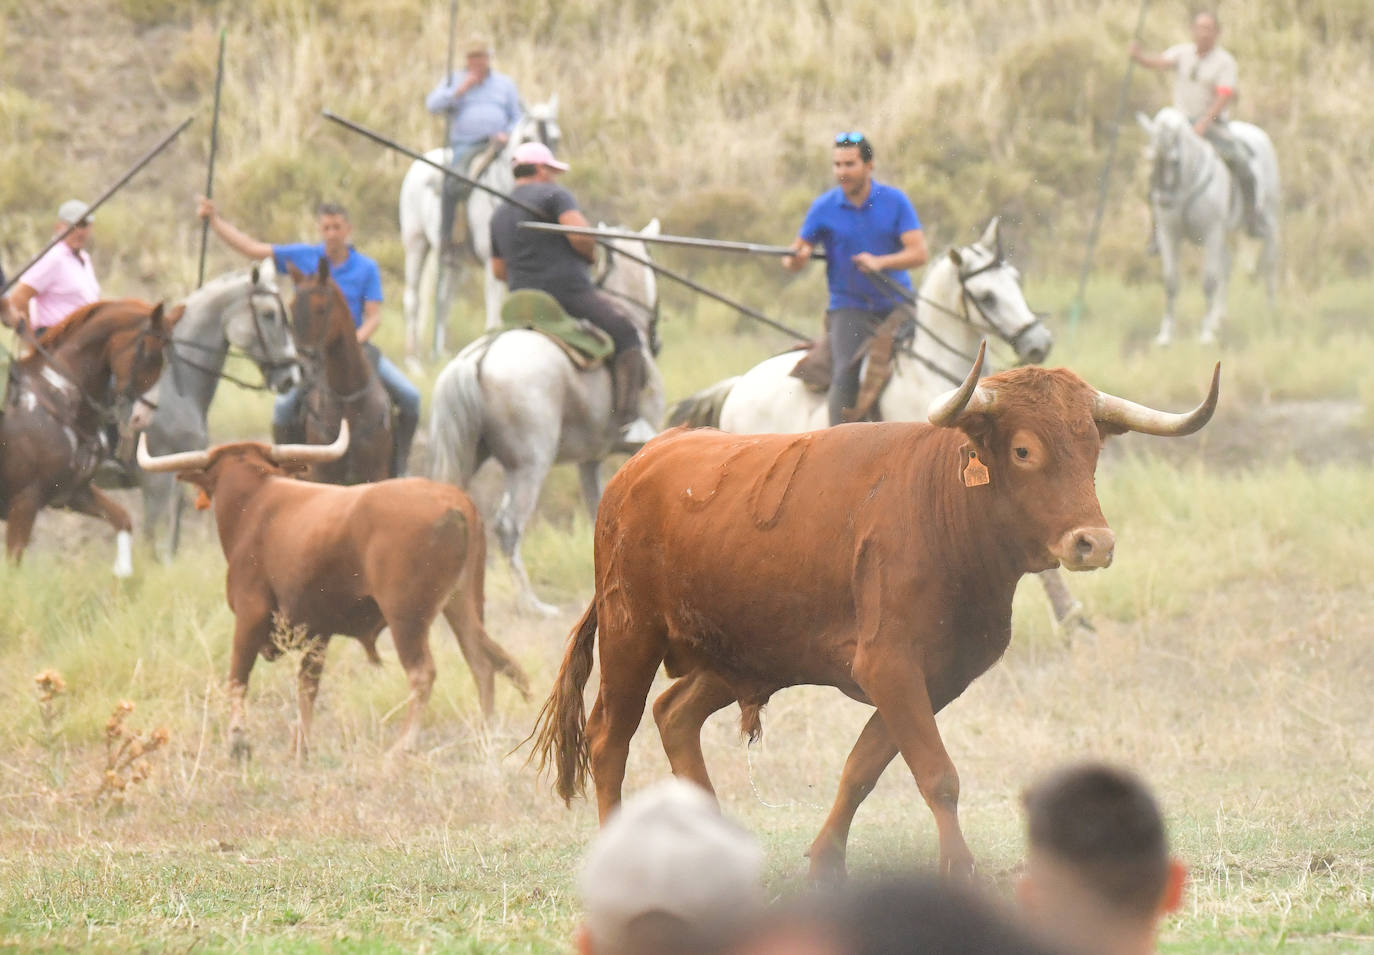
(342, 560)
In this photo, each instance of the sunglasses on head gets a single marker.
(848, 139)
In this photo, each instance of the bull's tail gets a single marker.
(455, 421)
(702, 410)
(560, 732)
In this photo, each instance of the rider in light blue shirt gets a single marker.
(482, 106)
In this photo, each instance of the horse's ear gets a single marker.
(956, 258)
(322, 273)
(296, 274)
(653, 228)
(991, 239)
(155, 319)
(1146, 123)
(255, 276)
(173, 315)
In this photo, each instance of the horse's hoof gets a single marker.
(1163, 340)
(1208, 337)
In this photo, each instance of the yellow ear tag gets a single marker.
(202, 501)
(975, 472)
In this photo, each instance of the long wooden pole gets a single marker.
(210, 166)
(720, 245)
(90, 210)
(1076, 310)
(668, 273)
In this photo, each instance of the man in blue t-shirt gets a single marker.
(361, 283)
(865, 226)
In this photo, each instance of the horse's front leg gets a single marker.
(1216, 272)
(1167, 239)
(96, 503)
(589, 473)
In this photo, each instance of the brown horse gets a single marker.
(340, 382)
(59, 398)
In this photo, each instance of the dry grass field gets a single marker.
(1233, 653)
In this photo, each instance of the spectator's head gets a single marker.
(74, 212)
(1098, 871)
(667, 874)
(891, 917)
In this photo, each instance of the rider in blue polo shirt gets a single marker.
(865, 226)
(361, 283)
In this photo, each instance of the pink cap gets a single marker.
(536, 154)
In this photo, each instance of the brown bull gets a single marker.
(877, 558)
(327, 560)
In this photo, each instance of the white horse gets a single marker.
(1192, 195)
(242, 310)
(420, 213)
(968, 294)
(517, 397)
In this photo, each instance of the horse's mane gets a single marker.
(58, 335)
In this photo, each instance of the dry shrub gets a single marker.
(128, 755)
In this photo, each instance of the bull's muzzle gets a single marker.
(1086, 548)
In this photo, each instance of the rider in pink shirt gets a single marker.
(62, 280)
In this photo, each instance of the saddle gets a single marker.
(815, 366)
(585, 345)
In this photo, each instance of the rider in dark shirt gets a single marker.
(559, 265)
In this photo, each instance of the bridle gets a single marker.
(265, 363)
(906, 339)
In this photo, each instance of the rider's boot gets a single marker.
(402, 437)
(629, 373)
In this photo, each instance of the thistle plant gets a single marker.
(127, 755)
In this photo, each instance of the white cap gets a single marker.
(669, 850)
(73, 211)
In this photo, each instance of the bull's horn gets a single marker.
(181, 461)
(311, 453)
(1110, 409)
(946, 410)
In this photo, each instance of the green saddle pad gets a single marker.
(531, 308)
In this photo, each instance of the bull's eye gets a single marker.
(1022, 453)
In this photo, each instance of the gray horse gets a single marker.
(1193, 196)
(243, 310)
(517, 397)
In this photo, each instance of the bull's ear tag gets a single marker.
(202, 500)
(975, 471)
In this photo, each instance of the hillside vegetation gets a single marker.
(712, 115)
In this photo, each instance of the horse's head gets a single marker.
(135, 348)
(319, 314)
(633, 283)
(540, 124)
(261, 330)
(990, 295)
(1168, 131)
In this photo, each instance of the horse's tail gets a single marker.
(560, 732)
(702, 410)
(455, 422)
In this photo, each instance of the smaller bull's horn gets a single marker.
(946, 410)
(311, 453)
(1110, 409)
(181, 461)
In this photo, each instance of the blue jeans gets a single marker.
(404, 395)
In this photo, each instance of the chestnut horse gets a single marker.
(339, 381)
(57, 402)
